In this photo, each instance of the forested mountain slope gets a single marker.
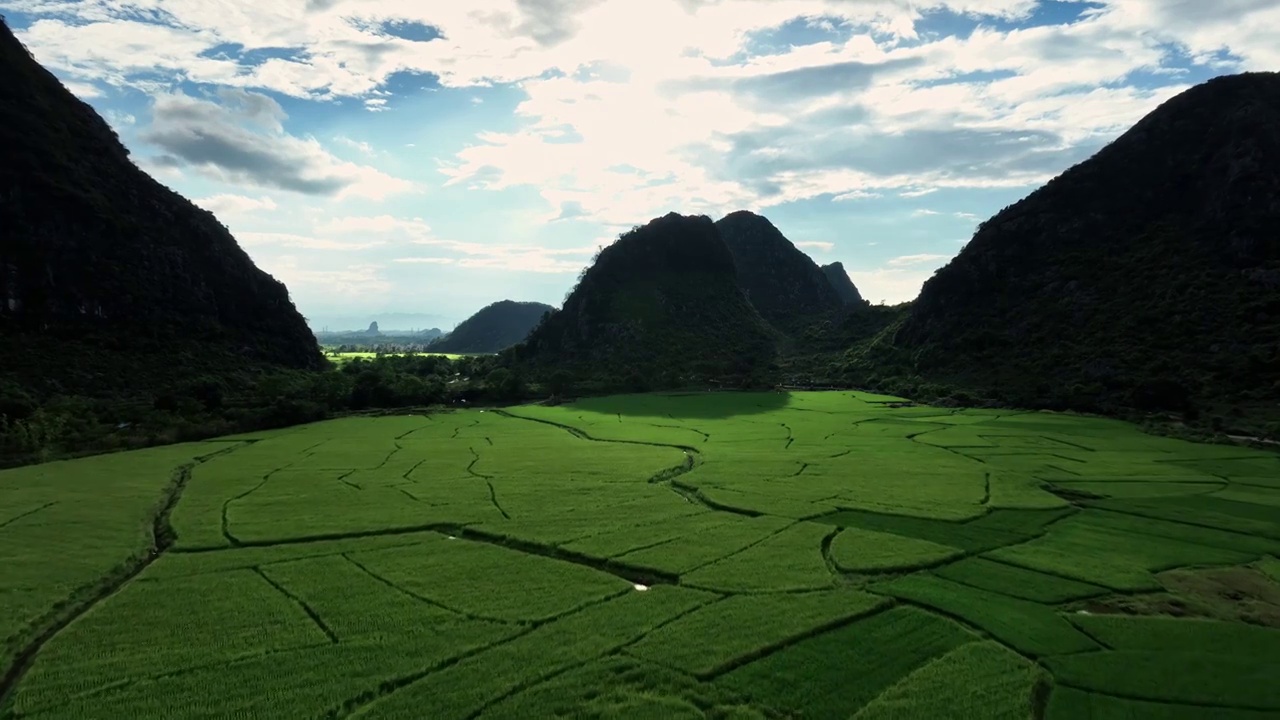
(1146, 277)
(785, 285)
(109, 281)
(662, 303)
(494, 327)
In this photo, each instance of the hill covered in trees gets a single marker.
(1146, 277)
(661, 306)
(109, 281)
(494, 327)
(785, 285)
(844, 287)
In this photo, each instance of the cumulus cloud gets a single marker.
(227, 203)
(239, 139)
(818, 245)
(920, 259)
(411, 235)
(631, 109)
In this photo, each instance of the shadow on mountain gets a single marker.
(687, 405)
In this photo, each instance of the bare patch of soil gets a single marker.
(1238, 594)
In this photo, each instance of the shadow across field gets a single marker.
(715, 405)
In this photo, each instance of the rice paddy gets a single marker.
(727, 555)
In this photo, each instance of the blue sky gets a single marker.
(425, 158)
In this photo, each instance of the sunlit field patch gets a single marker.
(817, 555)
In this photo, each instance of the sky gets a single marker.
(419, 159)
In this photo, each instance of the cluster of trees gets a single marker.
(33, 429)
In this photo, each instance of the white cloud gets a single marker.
(308, 242)
(921, 259)
(922, 212)
(680, 90)
(363, 147)
(816, 245)
(426, 260)
(405, 228)
(227, 203)
(631, 109)
(891, 285)
(239, 139)
(321, 286)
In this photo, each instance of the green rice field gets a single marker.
(341, 358)
(723, 555)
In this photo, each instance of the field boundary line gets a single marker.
(387, 688)
(310, 611)
(525, 686)
(886, 604)
(584, 435)
(739, 551)
(423, 599)
(28, 513)
(624, 571)
(323, 537)
(1165, 701)
(84, 598)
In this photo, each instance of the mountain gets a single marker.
(661, 305)
(844, 287)
(1146, 277)
(495, 327)
(373, 329)
(109, 281)
(786, 287)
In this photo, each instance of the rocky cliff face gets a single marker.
(1147, 276)
(785, 285)
(99, 258)
(844, 287)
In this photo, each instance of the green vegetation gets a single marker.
(494, 327)
(836, 673)
(1030, 628)
(660, 308)
(978, 679)
(985, 574)
(685, 554)
(698, 643)
(1109, 289)
(665, 555)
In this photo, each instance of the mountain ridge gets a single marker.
(661, 305)
(784, 284)
(1145, 277)
(104, 262)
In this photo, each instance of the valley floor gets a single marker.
(735, 555)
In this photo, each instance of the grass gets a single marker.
(698, 643)
(721, 555)
(1017, 582)
(1071, 704)
(979, 679)
(835, 674)
(1029, 628)
(1220, 680)
(858, 550)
